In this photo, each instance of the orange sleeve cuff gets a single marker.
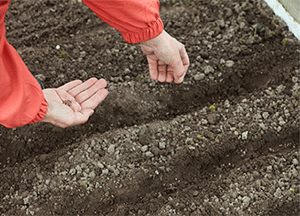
(145, 34)
(42, 112)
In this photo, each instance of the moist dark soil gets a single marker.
(264, 56)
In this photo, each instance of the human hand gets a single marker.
(74, 102)
(167, 58)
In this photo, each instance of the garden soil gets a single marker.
(224, 142)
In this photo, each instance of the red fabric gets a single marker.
(137, 20)
(21, 97)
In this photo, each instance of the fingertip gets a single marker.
(105, 93)
(153, 75)
(103, 82)
(78, 81)
(161, 80)
(162, 77)
(93, 80)
(154, 78)
(91, 113)
(179, 80)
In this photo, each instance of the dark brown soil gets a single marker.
(36, 27)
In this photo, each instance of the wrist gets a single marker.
(42, 112)
(154, 41)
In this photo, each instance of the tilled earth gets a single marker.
(224, 142)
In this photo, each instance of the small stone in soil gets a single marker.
(229, 63)
(149, 154)
(162, 145)
(144, 148)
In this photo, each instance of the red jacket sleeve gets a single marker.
(21, 97)
(137, 20)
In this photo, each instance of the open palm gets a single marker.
(74, 102)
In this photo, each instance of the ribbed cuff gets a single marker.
(145, 34)
(42, 112)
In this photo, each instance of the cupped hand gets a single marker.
(74, 102)
(167, 58)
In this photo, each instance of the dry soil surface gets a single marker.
(224, 142)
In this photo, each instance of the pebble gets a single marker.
(281, 121)
(188, 140)
(92, 174)
(246, 199)
(100, 165)
(196, 193)
(82, 54)
(208, 69)
(257, 116)
(162, 145)
(78, 168)
(116, 172)
(280, 88)
(241, 124)
(192, 148)
(199, 76)
(245, 135)
(265, 115)
(193, 206)
(229, 63)
(144, 148)
(72, 171)
(294, 172)
(295, 161)
(144, 139)
(204, 121)
(294, 79)
(279, 129)
(263, 126)
(111, 168)
(278, 193)
(39, 176)
(105, 171)
(234, 194)
(269, 169)
(149, 154)
(256, 174)
(111, 149)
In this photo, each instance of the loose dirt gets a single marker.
(224, 142)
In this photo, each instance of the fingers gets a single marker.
(181, 66)
(162, 71)
(169, 67)
(89, 92)
(82, 87)
(70, 85)
(95, 99)
(169, 77)
(153, 68)
(158, 70)
(184, 57)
